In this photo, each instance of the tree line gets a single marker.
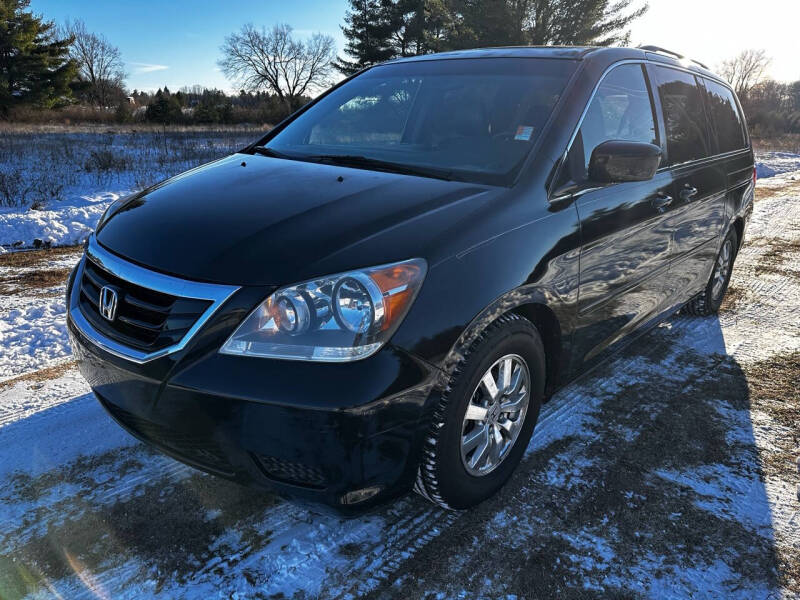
(771, 107)
(46, 66)
(379, 30)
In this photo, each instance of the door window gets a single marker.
(684, 115)
(620, 110)
(725, 115)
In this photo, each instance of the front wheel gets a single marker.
(486, 417)
(709, 301)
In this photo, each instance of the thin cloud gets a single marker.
(146, 67)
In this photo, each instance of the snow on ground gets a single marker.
(31, 336)
(769, 164)
(663, 474)
(59, 223)
(49, 180)
(33, 329)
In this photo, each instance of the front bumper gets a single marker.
(347, 435)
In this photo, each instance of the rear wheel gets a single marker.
(710, 300)
(486, 417)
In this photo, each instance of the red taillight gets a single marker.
(755, 175)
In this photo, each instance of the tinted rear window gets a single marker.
(684, 115)
(725, 115)
(474, 118)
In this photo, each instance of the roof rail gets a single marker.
(670, 52)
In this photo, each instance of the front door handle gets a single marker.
(662, 201)
(688, 193)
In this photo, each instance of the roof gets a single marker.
(567, 52)
(604, 54)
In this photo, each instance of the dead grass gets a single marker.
(39, 376)
(787, 142)
(31, 272)
(734, 296)
(773, 385)
(36, 283)
(777, 254)
(37, 258)
(784, 189)
(27, 128)
(774, 388)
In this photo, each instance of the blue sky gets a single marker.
(176, 42)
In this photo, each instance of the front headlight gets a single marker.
(338, 318)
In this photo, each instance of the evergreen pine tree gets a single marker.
(34, 64)
(479, 23)
(367, 29)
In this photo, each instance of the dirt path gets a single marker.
(667, 473)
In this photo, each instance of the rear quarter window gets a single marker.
(684, 115)
(725, 115)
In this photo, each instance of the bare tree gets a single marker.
(275, 61)
(746, 70)
(100, 63)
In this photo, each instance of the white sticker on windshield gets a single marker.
(524, 133)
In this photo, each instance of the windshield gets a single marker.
(465, 119)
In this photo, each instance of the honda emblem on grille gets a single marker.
(108, 302)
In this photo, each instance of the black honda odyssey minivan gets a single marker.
(379, 294)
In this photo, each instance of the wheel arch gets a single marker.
(738, 227)
(546, 321)
(530, 303)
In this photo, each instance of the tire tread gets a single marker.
(427, 484)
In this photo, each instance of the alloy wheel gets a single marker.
(495, 414)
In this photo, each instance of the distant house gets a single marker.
(131, 100)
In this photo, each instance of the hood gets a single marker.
(254, 220)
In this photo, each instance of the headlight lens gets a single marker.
(338, 318)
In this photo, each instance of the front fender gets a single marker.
(533, 264)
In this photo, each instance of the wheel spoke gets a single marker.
(513, 405)
(489, 384)
(506, 367)
(496, 447)
(475, 413)
(516, 380)
(481, 453)
(473, 438)
(507, 425)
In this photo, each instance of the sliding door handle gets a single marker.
(688, 193)
(662, 201)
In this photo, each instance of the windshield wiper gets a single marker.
(264, 151)
(364, 162)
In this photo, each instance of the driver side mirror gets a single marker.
(619, 161)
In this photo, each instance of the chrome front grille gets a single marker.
(154, 314)
(145, 319)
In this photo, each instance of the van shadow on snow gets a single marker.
(643, 478)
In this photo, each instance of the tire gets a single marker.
(709, 301)
(445, 475)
